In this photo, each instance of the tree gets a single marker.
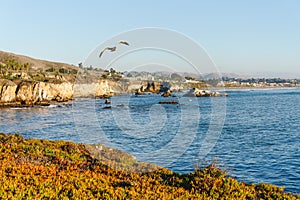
(112, 71)
(189, 78)
(26, 66)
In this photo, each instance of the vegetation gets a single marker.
(14, 65)
(189, 78)
(111, 74)
(14, 70)
(18, 67)
(41, 169)
(10, 66)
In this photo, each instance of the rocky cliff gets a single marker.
(23, 93)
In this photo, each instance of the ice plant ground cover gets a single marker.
(42, 169)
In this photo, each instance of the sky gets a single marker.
(251, 37)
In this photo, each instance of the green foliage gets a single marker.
(13, 67)
(189, 78)
(112, 71)
(16, 66)
(41, 169)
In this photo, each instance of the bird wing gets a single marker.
(102, 52)
(107, 48)
(123, 42)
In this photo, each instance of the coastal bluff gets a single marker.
(27, 93)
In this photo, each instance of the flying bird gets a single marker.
(123, 42)
(111, 49)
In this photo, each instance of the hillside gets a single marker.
(35, 64)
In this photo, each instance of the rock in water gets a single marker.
(138, 92)
(203, 93)
(107, 101)
(166, 94)
(168, 102)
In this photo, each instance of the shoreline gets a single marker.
(61, 89)
(19, 104)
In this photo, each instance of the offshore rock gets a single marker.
(150, 87)
(195, 92)
(166, 94)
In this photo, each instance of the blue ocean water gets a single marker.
(253, 134)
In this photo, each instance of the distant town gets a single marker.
(213, 79)
(259, 82)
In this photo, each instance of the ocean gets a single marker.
(252, 134)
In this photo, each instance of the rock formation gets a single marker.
(168, 102)
(195, 92)
(107, 101)
(148, 88)
(166, 94)
(151, 87)
(26, 93)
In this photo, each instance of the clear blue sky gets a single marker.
(241, 36)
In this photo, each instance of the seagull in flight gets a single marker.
(123, 42)
(111, 49)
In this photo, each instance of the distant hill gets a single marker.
(206, 76)
(35, 64)
(222, 75)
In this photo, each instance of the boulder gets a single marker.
(195, 92)
(107, 101)
(202, 93)
(138, 92)
(166, 94)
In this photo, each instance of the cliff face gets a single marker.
(101, 88)
(30, 93)
(8, 90)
